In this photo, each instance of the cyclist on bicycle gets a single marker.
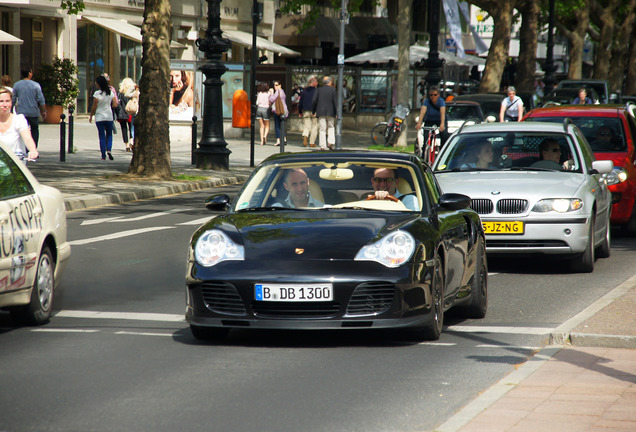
(433, 113)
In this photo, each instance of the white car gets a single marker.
(33, 249)
(536, 186)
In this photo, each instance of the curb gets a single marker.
(160, 189)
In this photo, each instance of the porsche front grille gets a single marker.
(222, 298)
(295, 310)
(371, 299)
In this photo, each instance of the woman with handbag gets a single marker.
(104, 100)
(279, 109)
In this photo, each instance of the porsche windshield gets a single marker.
(316, 185)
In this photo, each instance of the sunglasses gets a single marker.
(434, 94)
(383, 179)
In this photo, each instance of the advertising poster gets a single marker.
(185, 99)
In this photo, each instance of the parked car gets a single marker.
(566, 96)
(537, 188)
(600, 87)
(34, 247)
(348, 262)
(618, 145)
(491, 102)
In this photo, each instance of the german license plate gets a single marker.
(512, 227)
(293, 292)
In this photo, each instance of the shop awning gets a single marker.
(245, 39)
(124, 29)
(9, 39)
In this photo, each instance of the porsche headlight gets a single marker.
(559, 205)
(214, 246)
(391, 251)
(618, 175)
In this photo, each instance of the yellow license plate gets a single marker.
(513, 227)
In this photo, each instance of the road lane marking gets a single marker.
(510, 347)
(198, 222)
(136, 316)
(61, 330)
(143, 333)
(503, 330)
(135, 219)
(117, 235)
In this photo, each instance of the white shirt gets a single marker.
(514, 105)
(104, 111)
(12, 136)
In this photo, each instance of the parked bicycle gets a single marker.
(387, 133)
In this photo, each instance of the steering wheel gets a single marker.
(389, 197)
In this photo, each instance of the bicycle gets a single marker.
(386, 133)
(427, 147)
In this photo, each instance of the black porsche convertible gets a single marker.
(341, 239)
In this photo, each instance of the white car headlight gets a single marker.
(391, 251)
(560, 205)
(214, 247)
(618, 175)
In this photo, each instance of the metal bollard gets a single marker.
(193, 160)
(62, 138)
(71, 110)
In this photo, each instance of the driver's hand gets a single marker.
(381, 194)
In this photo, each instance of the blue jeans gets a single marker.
(279, 127)
(105, 132)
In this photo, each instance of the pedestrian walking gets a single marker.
(263, 110)
(305, 111)
(125, 94)
(280, 111)
(28, 100)
(324, 106)
(511, 107)
(14, 128)
(104, 101)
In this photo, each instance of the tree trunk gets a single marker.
(575, 29)
(151, 156)
(620, 49)
(404, 44)
(526, 68)
(501, 12)
(630, 85)
(606, 19)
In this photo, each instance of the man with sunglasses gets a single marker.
(385, 183)
(433, 113)
(550, 152)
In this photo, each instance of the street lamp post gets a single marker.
(213, 152)
(433, 64)
(549, 66)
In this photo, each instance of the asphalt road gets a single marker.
(118, 355)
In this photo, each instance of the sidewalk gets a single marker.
(584, 381)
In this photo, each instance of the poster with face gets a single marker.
(182, 95)
(232, 81)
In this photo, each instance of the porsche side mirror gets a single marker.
(454, 201)
(218, 202)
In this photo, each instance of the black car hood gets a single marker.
(324, 234)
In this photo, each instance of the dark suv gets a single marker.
(611, 132)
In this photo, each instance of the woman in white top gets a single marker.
(14, 128)
(263, 107)
(104, 100)
(511, 107)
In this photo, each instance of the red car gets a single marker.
(611, 132)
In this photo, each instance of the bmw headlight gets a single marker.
(391, 251)
(215, 246)
(618, 175)
(559, 205)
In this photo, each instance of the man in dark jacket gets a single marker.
(310, 122)
(324, 107)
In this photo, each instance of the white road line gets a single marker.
(121, 316)
(117, 235)
(143, 333)
(61, 330)
(503, 330)
(135, 219)
(198, 222)
(509, 347)
(438, 343)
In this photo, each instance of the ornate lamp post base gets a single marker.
(212, 152)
